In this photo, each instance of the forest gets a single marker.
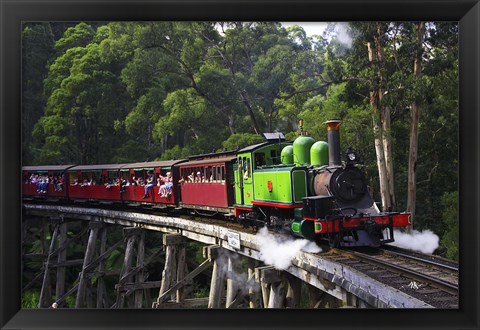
(122, 92)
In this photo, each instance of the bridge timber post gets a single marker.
(294, 290)
(62, 258)
(272, 282)
(232, 283)
(45, 293)
(94, 228)
(101, 289)
(217, 285)
(132, 276)
(174, 270)
(252, 293)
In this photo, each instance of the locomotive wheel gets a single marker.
(334, 242)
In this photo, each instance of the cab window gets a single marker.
(260, 160)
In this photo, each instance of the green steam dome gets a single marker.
(287, 155)
(319, 153)
(301, 150)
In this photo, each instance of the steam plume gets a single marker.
(279, 251)
(425, 241)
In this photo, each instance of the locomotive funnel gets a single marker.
(333, 129)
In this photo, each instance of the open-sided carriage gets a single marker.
(45, 180)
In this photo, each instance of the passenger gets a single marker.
(39, 179)
(169, 184)
(161, 185)
(246, 175)
(75, 182)
(191, 177)
(109, 184)
(40, 184)
(134, 181)
(166, 188)
(123, 183)
(43, 185)
(53, 182)
(150, 184)
(60, 183)
(199, 177)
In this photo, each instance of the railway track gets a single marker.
(430, 279)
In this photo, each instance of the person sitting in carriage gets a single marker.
(166, 188)
(149, 184)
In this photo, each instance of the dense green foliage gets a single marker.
(124, 92)
(450, 221)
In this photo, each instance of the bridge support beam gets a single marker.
(173, 275)
(62, 258)
(353, 301)
(253, 293)
(272, 283)
(294, 291)
(232, 281)
(45, 292)
(320, 299)
(130, 275)
(94, 228)
(217, 286)
(102, 297)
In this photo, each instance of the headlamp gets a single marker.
(351, 155)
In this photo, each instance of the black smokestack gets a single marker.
(333, 130)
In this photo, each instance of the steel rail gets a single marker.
(442, 263)
(430, 262)
(439, 283)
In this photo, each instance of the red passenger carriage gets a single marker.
(57, 185)
(95, 182)
(208, 183)
(135, 171)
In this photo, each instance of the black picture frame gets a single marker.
(14, 12)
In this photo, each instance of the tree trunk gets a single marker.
(382, 168)
(415, 115)
(387, 148)
(246, 102)
(231, 123)
(375, 54)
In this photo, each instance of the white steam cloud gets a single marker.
(343, 35)
(279, 251)
(425, 241)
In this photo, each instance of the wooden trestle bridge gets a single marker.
(327, 283)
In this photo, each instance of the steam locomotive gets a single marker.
(302, 187)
